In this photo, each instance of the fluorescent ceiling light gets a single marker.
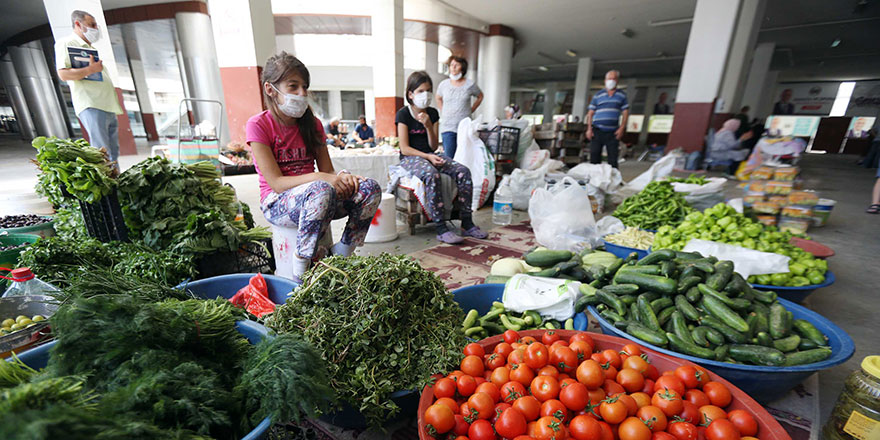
(844, 93)
(671, 21)
(836, 42)
(571, 53)
(543, 68)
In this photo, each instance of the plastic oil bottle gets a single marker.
(856, 416)
(502, 206)
(25, 283)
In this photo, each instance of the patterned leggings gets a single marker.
(430, 176)
(311, 207)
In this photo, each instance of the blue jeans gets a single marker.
(450, 143)
(103, 130)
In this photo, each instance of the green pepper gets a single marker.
(779, 279)
(815, 277)
(799, 281)
(822, 265)
(724, 222)
(753, 230)
(694, 217)
(765, 279)
(797, 268)
(748, 243)
(731, 227)
(737, 235)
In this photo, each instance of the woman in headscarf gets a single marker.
(726, 146)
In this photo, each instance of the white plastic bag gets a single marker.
(714, 185)
(551, 297)
(658, 170)
(562, 217)
(602, 176)
(473, 154)
(522, 183)
(746, 261)
(534, 157)
(609, 225)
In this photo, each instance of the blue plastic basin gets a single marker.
(623, 251)
(225, 286)
(764, 384)
(798, 294)
(39, 357)
(480, 297)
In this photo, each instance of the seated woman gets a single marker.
(417, 133)
(726, 146)
(287, 140)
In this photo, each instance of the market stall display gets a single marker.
(11, 247)
(41, 225)
(23, 322)
(629, 240)
(655, 206)
(569, 384)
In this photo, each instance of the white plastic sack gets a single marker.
(551, 297)
(534, 157)
(562, 217)
(714, 185)
(658, 170)
(746, 261)
(609, 225)
(473, 154)
(602, 176)
(522, 183)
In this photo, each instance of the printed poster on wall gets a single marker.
(860, 127)
(660, 124)
(634, 123)
(799, 126)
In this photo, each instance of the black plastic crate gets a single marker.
(501, 140)
(103, 219)
(252, 257)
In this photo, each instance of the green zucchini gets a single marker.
(807, 357)
(778, 318)
(685, 347)
(686, 283)
(621, 289)
(508, 324)
(661, 303)
(657, 257)
(537, 319)
(723, 272)
(667, 268)
(664, 315)
(729, 333)
(679, 327)
(547, 258)
(649, 318)
(493, 314)
(722, 352)
(648, 282)
(550, 272)
(470, 319)
(809, 331)
(765, 296)
(787, 344)
(649, 270)
(699, 336)
(473, 330)
(757, 354)
(693, 295)
(569, 324)
(718, 309)
(646, 334)
(764, 339)
(686, 309)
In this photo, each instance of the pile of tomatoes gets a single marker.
(557, 389)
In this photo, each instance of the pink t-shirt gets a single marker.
(287, 146)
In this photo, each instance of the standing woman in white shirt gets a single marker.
(454, 101)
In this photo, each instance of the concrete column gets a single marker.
(769, 94)
(431, 64)
(58, 12)
(582, 87)
(650, 100)
(284, 40)
(629, 87)
(48, 47)
(756, 85)
(388, 80)
(496, 83)
(739, 59)
(550, 90)
(244, 32)
(370, 107)
(202, 71)
(139, 78)
(482, 53)
(703, 69)
(334, 103)
(16, 97)
(33, 75)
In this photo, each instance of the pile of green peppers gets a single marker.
(656, 205)
(723, 224)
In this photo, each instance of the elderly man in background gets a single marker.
(331, 130)
(604, 123)
(784, 107)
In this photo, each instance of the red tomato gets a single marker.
(549, 428)
(702, 375)
(481, 430)
(574, 396)
(745, 423)
(461, 426)
(566, 360)
(491, 389)
(466, 412)
(512, 390)
(537, 355)
(697, 397)
(480, 380)
(653, 417)
(522, 374)
(635, 363)
(510, 336)
(494, 361)
(549, 370)
(662, 436)
(585, 428)
(554, 408)
(609, 370)
(500, 376)
(631, 380)
(439, 419)
(607, 433)
(596, 396)
(667, 383)
(611, 356)
(517, 356)
(455, 375)
(690, 412)
(448, 402)
(651, 372)
(503, 349)
(581, 349)
(590, 373)
(683, 430)
(466, 385)
(444, 387)
(499, 408)
(718, 394)
(544, 388)
(481, 404)
(722, 429)
(529, 407)
(631, 406)
(668, 401)
(528, 340)
(642, 399)
(511, 423)
(583, 337)
(687, 375)
(566, 382)
(611, 387)
(631, 349)
(549, 337)
(710, 413)
(633, 429)
(613, 410)
(649, 387)
(474, 349)
(559, 343)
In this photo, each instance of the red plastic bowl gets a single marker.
(768, 427)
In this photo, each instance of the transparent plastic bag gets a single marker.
(562, 216)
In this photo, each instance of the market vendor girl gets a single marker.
(417, 132)
(287, 140)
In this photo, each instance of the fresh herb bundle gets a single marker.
(382, 323)
(84, 171)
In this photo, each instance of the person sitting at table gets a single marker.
(287, 142)
(331, 131)
(362, 134)
(726, 146)
(417, 135)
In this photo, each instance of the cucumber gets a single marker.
(807, 344)
(693, 295)
(657, 257)
(764, 339)
(632, 258)
(611, 301)
(690, 271)
(736, 285)
(807, 357)
(722, 352)
(661, 303)
(685, 347)
(654, 283)
(622, 324)
(686, 309)
(667, 269)
(569, 324)
(723, 272)
(596, 273)
(585, 300)
(778, 317)
(566, 266)
(614, 266)
(757, 354)
(473, 330)
(704, 265)
(752, 321)
(766, 297)
(729, 333)
(686, 283)
(646, 334)
(549, 325)
(578, 273)
(497, 305)
(628, 299)
(547, 258)
(787, 344)
(634, 314)
(736, 303)
(621, 289)
(681, 255)
(550, 272)
(649, 270)
(565, 276)
(650, 296)
(718, 309)
(679, 327)
(496, 279)
(646, 313)
(699, 336)
(494, 313)
(505, 321)
(493, 328)
(762, 313)
(809, 331)
(714, 336)
(537, 320)
(470, 319)
(665, 314)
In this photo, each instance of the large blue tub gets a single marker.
(480, 297)
(798, 294)
(225, 286)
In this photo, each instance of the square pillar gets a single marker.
(582, 87)
(388, 81)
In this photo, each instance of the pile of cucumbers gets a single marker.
(699, 306)
(498, 320)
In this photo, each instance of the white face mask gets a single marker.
(294, 105)
(455, 77)
(91, 34)
(610, 84)
(422, 99)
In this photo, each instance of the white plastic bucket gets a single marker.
(384, 225)
(822, 211)
(284, 248)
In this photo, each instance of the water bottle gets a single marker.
(25, 283)
(502, 208)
